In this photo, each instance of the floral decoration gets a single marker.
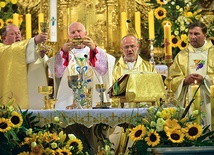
(7, 8)
(179, 14)
(165, 127)
(20, 135)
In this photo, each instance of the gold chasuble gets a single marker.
(13, 78)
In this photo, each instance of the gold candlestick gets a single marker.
(46, 91)
(170, 100)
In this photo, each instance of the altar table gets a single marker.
(89, 117)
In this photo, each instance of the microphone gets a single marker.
(129, 22)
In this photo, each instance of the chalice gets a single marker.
(101, 88)
(73, 84)
(44, 26)
(46, 91)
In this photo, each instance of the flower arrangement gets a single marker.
(179, 14)
(162, 127)
(20, 135)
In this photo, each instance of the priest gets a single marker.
(194, 65)
(19, 63)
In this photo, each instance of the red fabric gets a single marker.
(65, 56)
(92, 57)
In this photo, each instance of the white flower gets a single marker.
(152, 124)
(29, 131)
(54, 145)
(33, 144)
(71, 136)
(56, 119)
(195, 112)
(182, 27)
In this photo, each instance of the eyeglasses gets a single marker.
(130, 46)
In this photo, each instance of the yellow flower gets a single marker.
(182, 44)
(160, 13)
(193, 131)
(63, 151)
(176, 136)
(138, 132)
(175, 40)
(171, 125)
(76, 143)
(16, 119)
(184, 37)
(161, 2)
(24, 153)
(2, 4)
(5, 125)
(153, 138)
(1, 23)
(9, 21)
(13, 1)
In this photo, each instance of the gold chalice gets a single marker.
(46, 91)
(73, 83)
(101, 88)
(44, 26)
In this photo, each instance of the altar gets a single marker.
(92, 126)
(89, 117)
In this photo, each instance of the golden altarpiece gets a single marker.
(100, 17)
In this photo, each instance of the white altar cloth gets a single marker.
(89, 117)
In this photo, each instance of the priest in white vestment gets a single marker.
(194, 64)
(22, 68)
(80, 54)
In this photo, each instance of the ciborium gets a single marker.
(46, 91)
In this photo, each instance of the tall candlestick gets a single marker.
(212, 105)
(151, 25)
(167, 41)
(40, 19)
(28, 26)
(138, 24)
(123, 24)
(16, 19)
(197, 101)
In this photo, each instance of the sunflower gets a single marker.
(65, 151)
(193, 131)
(16, 119)
(1, 23)
(5, 125)
(182, 44)
(175, 40)
(153, 138)
(176, 136)
(76, 143)
(138, 132)
(9, 21)
(160, 13)
(24, 153)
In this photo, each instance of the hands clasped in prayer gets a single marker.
(192, 78)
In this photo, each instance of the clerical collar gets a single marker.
(80, 50)
(130, 65)
(198, 50)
